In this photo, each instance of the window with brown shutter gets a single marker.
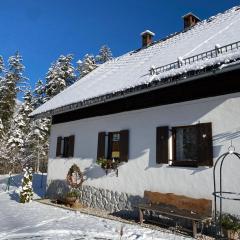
(71, 141)
(101, 145)
(124, 145)
(59, 147)
(192, 145)
(65, 146)
(117, 145)
(109, 145)
(205, 145)
(162, 145)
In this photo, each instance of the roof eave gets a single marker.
(137, 90)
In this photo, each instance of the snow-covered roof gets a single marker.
(132, 69)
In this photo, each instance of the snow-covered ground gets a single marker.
(38, 221)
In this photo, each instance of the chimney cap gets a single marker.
(191, 14)
(147, 32)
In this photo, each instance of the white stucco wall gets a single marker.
(141, 172)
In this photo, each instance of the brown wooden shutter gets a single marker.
(109, 149)
(101, 145)
(65, 146)
(124, 145)
(162, 145)
(59, 146)
(205, 145)
(71, 141)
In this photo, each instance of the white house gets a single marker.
(166, 111)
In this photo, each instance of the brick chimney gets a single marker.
(190, 20)
(147, 38)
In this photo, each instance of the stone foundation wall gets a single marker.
(111, 201)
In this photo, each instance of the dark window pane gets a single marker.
(187, 144)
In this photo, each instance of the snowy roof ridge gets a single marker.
(132, 69)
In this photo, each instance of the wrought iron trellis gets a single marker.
(199, 57)
(221, 194)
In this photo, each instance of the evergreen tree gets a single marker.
(26, 191)
(1, 80)
(87, 65)
(10, 86)
(41, 128)
(20, 134)
(1, 128)
(104, 55)
(59, 76)
(3, 146)
(39, 96)
(1, 64)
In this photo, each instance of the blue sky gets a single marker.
(43, 29)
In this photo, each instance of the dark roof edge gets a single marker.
(156, 84)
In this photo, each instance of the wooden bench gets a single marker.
(169, 204)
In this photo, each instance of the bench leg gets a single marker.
(141, 216)
(194, 223)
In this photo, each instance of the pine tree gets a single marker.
(1, 80)
(1, 64)
(10, 86)
(20, 134)
(87, 65)
(26, 191)
(104, 55)
(1, 128)
(59, 76)
(3, 147)
(39, 96)
(41, 128)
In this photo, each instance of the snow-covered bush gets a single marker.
(26, 191)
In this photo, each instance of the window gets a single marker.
(185, 145)
(191, 145)
(113, 145)
(65, 146)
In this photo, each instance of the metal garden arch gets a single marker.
(219, 193)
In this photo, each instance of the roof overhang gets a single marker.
(153, 85)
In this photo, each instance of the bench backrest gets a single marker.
(199, 206)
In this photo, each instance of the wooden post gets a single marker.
(194, 228)
(140, 216)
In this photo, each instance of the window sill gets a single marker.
(185, 164)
